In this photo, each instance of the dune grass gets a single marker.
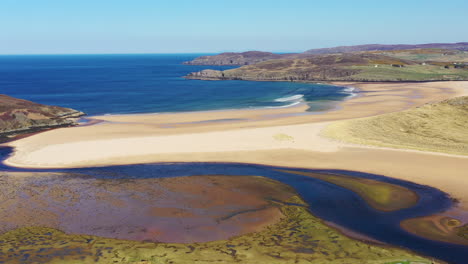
(440, 127)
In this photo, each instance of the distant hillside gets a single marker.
(365, 66)
(252, 57)
(374, 47)
(233, 58)
(19, 116)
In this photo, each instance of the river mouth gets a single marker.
(326, 200)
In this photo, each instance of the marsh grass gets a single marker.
(298, 238)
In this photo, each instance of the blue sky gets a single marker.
(183, 26)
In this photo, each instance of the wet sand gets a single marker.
(282, 137)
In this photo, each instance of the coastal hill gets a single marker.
(361, 66)
(252, 57)
(19, 116)
(233, 58)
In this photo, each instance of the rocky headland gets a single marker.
(19, 116)
(363, 66)
(234, 58)
(373, 63)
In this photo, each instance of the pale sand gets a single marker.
(281, 137)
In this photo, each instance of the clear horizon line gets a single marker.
(138, 53)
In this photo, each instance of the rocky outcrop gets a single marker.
(206, 75)
(19, 116)
(233, 58)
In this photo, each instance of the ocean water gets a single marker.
(149, 83)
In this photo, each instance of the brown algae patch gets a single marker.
(298, 237)
(439, 127)
(380, 195)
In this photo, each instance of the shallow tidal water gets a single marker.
(326, 200)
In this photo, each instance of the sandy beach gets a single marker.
(283, 137)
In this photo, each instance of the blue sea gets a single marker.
(146, 83)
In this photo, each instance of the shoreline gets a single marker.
(351, 94)
(280, 137)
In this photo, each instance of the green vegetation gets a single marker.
(298, 238)
(440, 127)
(428, 55)
(283, 137)
(408, 73)
(462, 231)
(380, 195)
(401, 262)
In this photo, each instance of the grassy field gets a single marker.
(422, 55)
(298, 238)
(440, 127)
(409, 72)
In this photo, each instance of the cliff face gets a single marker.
(232, 58)
(19, 116)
